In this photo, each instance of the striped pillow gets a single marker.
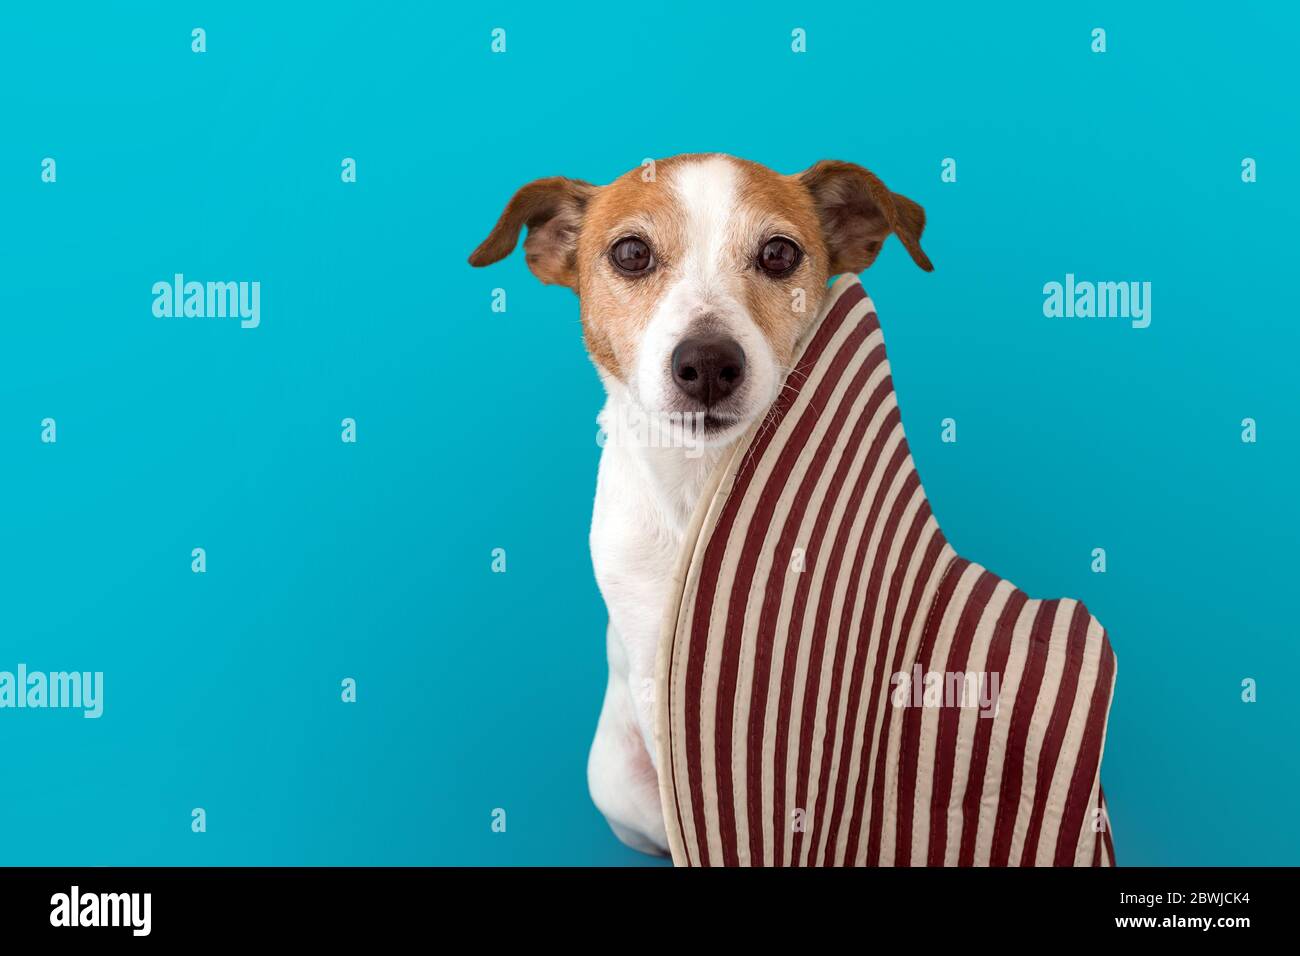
(799, 723)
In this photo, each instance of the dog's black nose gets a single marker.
(708, 368)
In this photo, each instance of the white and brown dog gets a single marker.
(696, 278)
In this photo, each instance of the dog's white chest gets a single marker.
(645, 497)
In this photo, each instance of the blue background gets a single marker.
(476, 429)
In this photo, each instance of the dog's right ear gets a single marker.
(552, 209)
(858, 212)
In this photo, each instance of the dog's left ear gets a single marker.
(552, 209)
(858, 211)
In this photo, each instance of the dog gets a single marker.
(696, 277)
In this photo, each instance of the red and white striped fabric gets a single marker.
(816, 575)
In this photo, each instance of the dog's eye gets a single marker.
(631, 256)
(779, 256)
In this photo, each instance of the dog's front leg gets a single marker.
(620, 774)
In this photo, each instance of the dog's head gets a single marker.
(698, 274)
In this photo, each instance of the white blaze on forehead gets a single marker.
(706, 193)
(705, 281)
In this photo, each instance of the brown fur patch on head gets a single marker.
(781, 205)
(643, 202)
(615, 309)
